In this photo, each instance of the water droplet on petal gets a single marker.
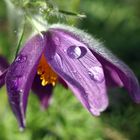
(96, 73)
(77, 75)
(58, 60)
(57, 41)
(21, 58)
(20, 91)
(15, 83)
(75, 52)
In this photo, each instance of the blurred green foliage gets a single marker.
(117, 24)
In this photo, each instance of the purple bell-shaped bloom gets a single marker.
(73, 58)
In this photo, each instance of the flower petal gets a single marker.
(112, 77)
(21, 74)
(125, 76)
(44, 93)
(2, 78)
(82, 72)
(3, 69)
(3, 64)
(62, 82)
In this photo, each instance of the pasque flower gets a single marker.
(73, 58)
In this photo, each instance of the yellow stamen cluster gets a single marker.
(47, 75)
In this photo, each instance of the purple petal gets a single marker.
(82, 72)
(21, 74)
(2, 78)
(62, 82)
(44, 93)
(3, 64)
(112, 77)
(3, 69)
(125, 76)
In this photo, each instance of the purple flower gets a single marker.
(73, 58)
(3, 69)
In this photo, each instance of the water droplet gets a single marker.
(1, 72)
(57, 41)
(96, 73)
(14, 85)
(21, 58)
(74, 52)
(20, 91)
(58, 59)
(77, 75)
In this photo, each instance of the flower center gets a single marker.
(47, 75)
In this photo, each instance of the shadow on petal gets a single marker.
(124, 75)
(3, 70)
(44, 93)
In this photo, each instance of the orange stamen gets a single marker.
(47, 75)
